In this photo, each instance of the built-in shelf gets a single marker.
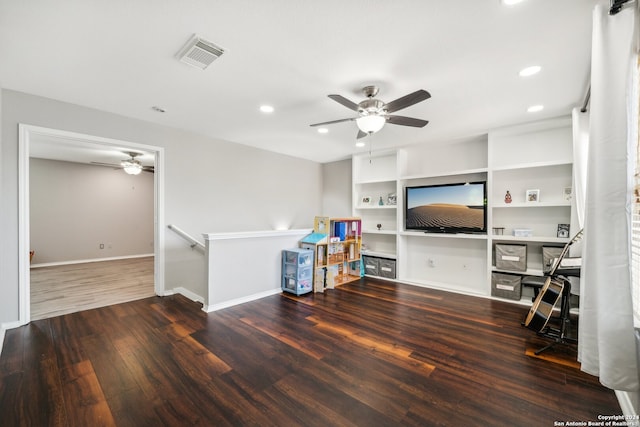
(372, 231)
(540, 239)
(445, 235)
(516, 159)
(531, 165)
(527, 272)
(376, 207)
(376, 181)
(532, 205)
(379, 254)
(451, 173)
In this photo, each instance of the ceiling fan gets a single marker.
(132, 166)
(373, 113)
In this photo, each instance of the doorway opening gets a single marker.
(80, 148)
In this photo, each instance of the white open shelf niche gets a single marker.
(533, 156)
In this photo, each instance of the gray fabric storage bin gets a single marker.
(506, 286)
(511, 257)
(371, 265)
(387, 268)
(549, 254)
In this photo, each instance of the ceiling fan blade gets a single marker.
(407, 100)
(344, 101)
(361, 134)
(406, 121)
(113, 165)
(334, 121)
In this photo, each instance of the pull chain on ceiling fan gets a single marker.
(373, 113)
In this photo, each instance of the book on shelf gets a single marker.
(340, 230)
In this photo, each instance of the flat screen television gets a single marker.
(447, 208)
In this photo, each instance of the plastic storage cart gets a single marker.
(297, 270)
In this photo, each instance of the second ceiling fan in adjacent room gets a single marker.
(132, 166)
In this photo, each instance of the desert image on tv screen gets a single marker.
(456, 206)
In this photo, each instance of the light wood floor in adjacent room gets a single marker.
(66, 289)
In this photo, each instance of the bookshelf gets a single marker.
(535, 156)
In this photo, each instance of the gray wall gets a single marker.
(210, 186)
(336, 191)
(76, 207)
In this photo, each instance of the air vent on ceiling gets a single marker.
(199, 53)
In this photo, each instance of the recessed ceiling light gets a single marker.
(266, 108)
(535, 108)
(323, 130)
(511, 2)
(360, 144)
(530, 71)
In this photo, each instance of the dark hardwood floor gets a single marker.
(372, 353)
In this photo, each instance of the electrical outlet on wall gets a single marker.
(431, 262)
(101, 245)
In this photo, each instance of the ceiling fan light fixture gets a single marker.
(530, 71)
(370, 124)
(132, 167)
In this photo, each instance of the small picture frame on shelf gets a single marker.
(567, 193)
(532, 196)
(392, 199)
(366, 200)
(563, 231)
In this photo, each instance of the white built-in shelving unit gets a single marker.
(535, 156)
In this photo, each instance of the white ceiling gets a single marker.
(80, 150)
(120, 56)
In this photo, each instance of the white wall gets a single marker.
(336, 189)
(230, 281)
(210, 185)
(76, 207)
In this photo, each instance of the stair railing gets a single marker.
(193, 242)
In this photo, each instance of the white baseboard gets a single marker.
(248, 298)
(10, 325)
(3, 328)
(83, 261)
(226, 304)
(187, 293)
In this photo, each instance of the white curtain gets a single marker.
(606, 345)
(580, 126)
